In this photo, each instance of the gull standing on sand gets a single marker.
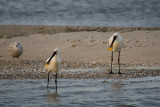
(115, 45)
(53, 65)
(15, 50)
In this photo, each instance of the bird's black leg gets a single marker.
(111, 64)
(56, 80)
(48, 80)
(119, 63)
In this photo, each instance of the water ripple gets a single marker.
(88, 92)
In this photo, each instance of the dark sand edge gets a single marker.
(9, 31)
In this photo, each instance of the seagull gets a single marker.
(15, 50)
(53, 64)
(115, 45)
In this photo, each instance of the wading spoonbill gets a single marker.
(53, 65)
(115, 45)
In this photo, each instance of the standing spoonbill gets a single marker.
(53, 65)
(115, 45)
(15, 50)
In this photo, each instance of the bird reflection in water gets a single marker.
(53, 97)
(117, 89)
(118, 94)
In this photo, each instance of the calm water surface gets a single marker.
(141, 13)
(77, 93)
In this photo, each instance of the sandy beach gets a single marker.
(81, 47)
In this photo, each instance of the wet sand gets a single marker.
(81, 48)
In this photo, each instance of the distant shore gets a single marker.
(81, 47)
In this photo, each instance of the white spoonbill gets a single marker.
(115, 45)
(53, 65)
(15, 50)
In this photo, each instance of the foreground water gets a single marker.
(77, 93)
(137, 13)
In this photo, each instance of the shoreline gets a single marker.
(81, 47)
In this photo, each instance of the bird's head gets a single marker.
(115, 35)
(56, 51)
(16, 44)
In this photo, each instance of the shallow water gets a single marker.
(88, 92)
(138, 13)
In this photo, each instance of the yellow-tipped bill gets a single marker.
(110, 48)
(46, 64)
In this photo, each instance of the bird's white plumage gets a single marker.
(117, 45)
(55, 63)
(15, 50)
